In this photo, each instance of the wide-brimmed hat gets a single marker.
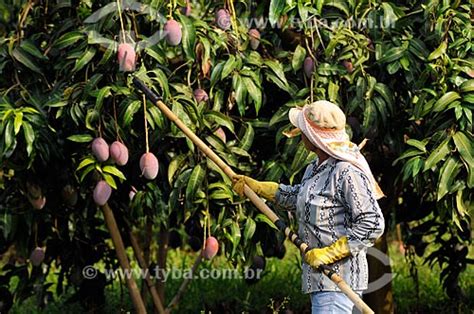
(321, 114)
(324, 124)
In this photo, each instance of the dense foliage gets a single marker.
(402, 71)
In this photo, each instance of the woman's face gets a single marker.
(309, 146)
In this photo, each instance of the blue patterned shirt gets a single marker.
(334, 199)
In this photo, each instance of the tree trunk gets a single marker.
(381, 300)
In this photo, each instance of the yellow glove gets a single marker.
(266, 189)
(329, 254)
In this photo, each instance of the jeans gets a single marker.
(331, 302)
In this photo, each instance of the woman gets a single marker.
(336, 206)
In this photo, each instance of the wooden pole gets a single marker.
(254, 198)
(143, 265)
(123, 260)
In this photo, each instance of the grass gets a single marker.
(431, 298)
(278, 290)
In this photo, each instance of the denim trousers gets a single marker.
(332, 302)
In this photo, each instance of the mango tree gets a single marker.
(230, 70)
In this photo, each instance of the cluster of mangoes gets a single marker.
(118, 152)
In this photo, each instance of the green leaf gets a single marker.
(280, 115)
(240, 93)
(273, 78)
(298, 160)
(437, 155)
(470, 177)
(276, 68)
(462, 209)
(388, 15)
(235, 236)
(254, 58)
(386, 94)
(28, 46)
(162, 79)
(338, 4)
(86, 171)
(392, 54)
(132, 108)
(327, 69)
(298, 58)
(220, 195)
(465, 148)
(275, 173)
(393, 67)
(68, 39)
(108, 53)
(265, 219)
(302, 10)
(18, 121)
(24, 59)
(417, 144)
(333, 91)
(381, 108)
(195, 181)
(178, 162)
(81, 138)
(9, 135)
(157, 116)
(467, 86)
(91, 117)
(418, 48)
(216, 73)
(29, 137)
(114, 171)
(448, 172)
(229, 66)
(87, 161)
(254, 92)
(247, 139)
(239, 151)
(181, 113)
(220, 190)
(249, 229)
(102, 94)
(189, 36)
(84, 59)
(441, 50)
(276, 9)
(110, 180)
(445, 100)
(220, 119)
(409, 153)
(369, 114)
(417, 166)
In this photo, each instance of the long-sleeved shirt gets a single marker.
(334, 199)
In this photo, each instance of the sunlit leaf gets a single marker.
(447, 174)
(81, 138)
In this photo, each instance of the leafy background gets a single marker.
(407, 87)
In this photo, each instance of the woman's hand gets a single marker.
(266, 189)
(329, 254)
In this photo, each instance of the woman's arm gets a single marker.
(367, 222)
(286, 196)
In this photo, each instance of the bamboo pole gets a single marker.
(254, 198)
(143, 265)
(123, 260)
